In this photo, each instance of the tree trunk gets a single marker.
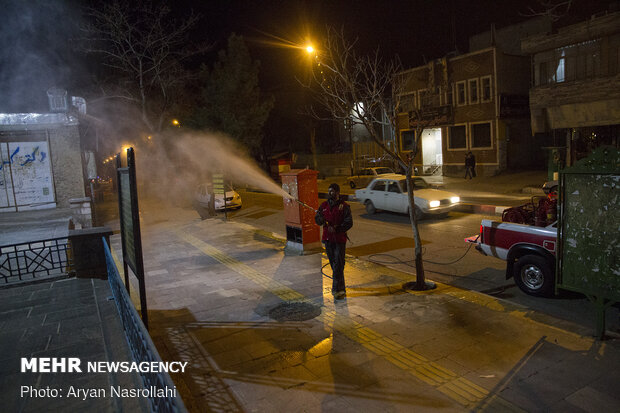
(413, 217)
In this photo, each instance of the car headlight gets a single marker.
(433, 204)
(455, 199)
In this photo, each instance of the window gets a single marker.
(407, 102)
(568, 63)
(473, 91)
(447, 97)
(559, 70)
(461, 94)
(407, 139)
(378, 186)
(486, 89)
(570, 68)
(542, 78)
(421, 98)
(457, 137)
(393, 187)
(481, 135)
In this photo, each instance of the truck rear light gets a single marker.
(481, 238)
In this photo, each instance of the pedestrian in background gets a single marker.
(470, 165)
(335, 216)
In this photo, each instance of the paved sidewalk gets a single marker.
(263, 333)
(66, 318)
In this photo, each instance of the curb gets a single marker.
(481, 209)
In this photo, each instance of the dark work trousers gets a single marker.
(469, 171)
(335, 254)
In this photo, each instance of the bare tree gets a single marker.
(366, 90)
(553, 9)
(144, 46)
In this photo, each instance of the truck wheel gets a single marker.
(533, 276)
(352, 185)
(370, 207)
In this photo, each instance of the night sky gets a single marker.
(36, 52)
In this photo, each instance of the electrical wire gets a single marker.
(397, 260)
(407, 262)
(325, 275)
(452, 262)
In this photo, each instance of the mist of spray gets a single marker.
(175, 168)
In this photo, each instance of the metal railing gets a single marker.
(35, 260)
(140, 343)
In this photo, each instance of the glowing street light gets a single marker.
(310, 49)
(176, 122)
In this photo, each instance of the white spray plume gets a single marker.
(175, 169)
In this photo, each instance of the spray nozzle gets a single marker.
(305, 205)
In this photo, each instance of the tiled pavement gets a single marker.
(262, 333)
(65, 318)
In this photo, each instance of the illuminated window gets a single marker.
(486, 89)
(473, 91)
(568, 63)
(457, 137)
(461, 94)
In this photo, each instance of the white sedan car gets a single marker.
(203, 194)
(389, 193)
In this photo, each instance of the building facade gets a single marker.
(41, 161)
(473, 102)
(575, 96)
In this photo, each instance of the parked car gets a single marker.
(389, 193)
(366, 175)
(202, 197)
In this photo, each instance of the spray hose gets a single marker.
(309, 207)
(306, 205)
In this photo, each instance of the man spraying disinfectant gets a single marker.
(335, 217)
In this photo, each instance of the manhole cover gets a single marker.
(294, 312)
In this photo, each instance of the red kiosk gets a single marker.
(302, 233)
